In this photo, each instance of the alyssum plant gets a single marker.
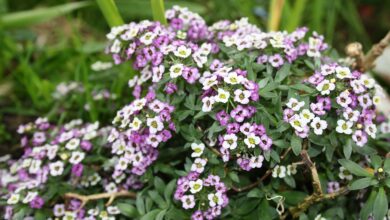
(226, 121)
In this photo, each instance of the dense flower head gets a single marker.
(141, 127)
(204, 196)
(348, 95)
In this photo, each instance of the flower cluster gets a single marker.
(206, 196)
(52, 154)
(347, 94)
(280, 171)
(141, 127)
(60, 210)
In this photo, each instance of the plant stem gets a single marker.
(275, 13)
(110, 196)
(110, 12)
(158, 11)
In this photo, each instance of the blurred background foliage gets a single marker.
(46, 42)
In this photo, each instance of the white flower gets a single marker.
(229, 141)
(306, 115)
(222, 96)
(351, 115)
(343, 72)
(279, 171)
(176, 70)
(371, 130)
(76, 157)
(200, 59)
(241, 96)
(298, 123)
(294, 104)
(113, 210)
(344, 127)
(198, 165)
(122, 164)
(318, 125)
(215, 199)
(72, 144)
(343, 99)
(182, 52)
(35, 166)
(327, 70)
(319, 217)
(135, 124)
(155, 124)
(51, 151)
(209, 82)
(30, 196)
(115, 47)
(325, 87)
(13, 199)
(198, 149)
(291, 169)
(56, 168)
(367, 81)
(196, 186)
(256, 162)
(345, 174)
(376, 100)
(208, 103)
(233, 79)
(59, 210)
(138, 104)
(147, 38)
(251, 140)
(188, 201)
(111, 187)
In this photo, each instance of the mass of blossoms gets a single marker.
(222, 121)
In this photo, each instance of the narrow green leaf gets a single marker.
(158, 11)
(367, 208)
(296, 144)
(282, 73)
(347, 149)
(354, 168)
(110, 12)
(386, 165)
(380, 204)
(295, 18)
(127, 210)
(151, 215)
(35, 16)
(361, 183)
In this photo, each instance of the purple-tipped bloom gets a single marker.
(222, 117)
(265, 142)
(170, 88)
(37, 203)
(77, 170)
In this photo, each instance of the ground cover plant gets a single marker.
(224, 121)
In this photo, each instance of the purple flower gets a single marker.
(244, 163)
(86, 145)
(360, 138)
(197, 215)
(276, 60)
(288, 115)
(262, 59)
(233, 128)
(77, 170)
(326, 102)
(37, 203)
(191, 74)
(265, 142)
(170, 88)
(222, 118)
(176, 23)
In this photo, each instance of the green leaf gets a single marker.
(161, 215)
(157, 199)
(36, 16)
(110, 12)
(347, 149)
(264, 213)
(354, 168)
(282, 73)
(127, 210)
(367, 208)
(361, 183)
(380, 204)
(296, 144)
(140, 204)
(151, 215)
(159, 185)
(386, 165)
(158, 11)
(40, 215)
(376, 161)
(169, 190)
(255, 193)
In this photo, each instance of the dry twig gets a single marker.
(366, 62)
(110, 196)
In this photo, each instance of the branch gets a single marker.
(261, 179)
(317, 195)
(366, 62)
(110, 196)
